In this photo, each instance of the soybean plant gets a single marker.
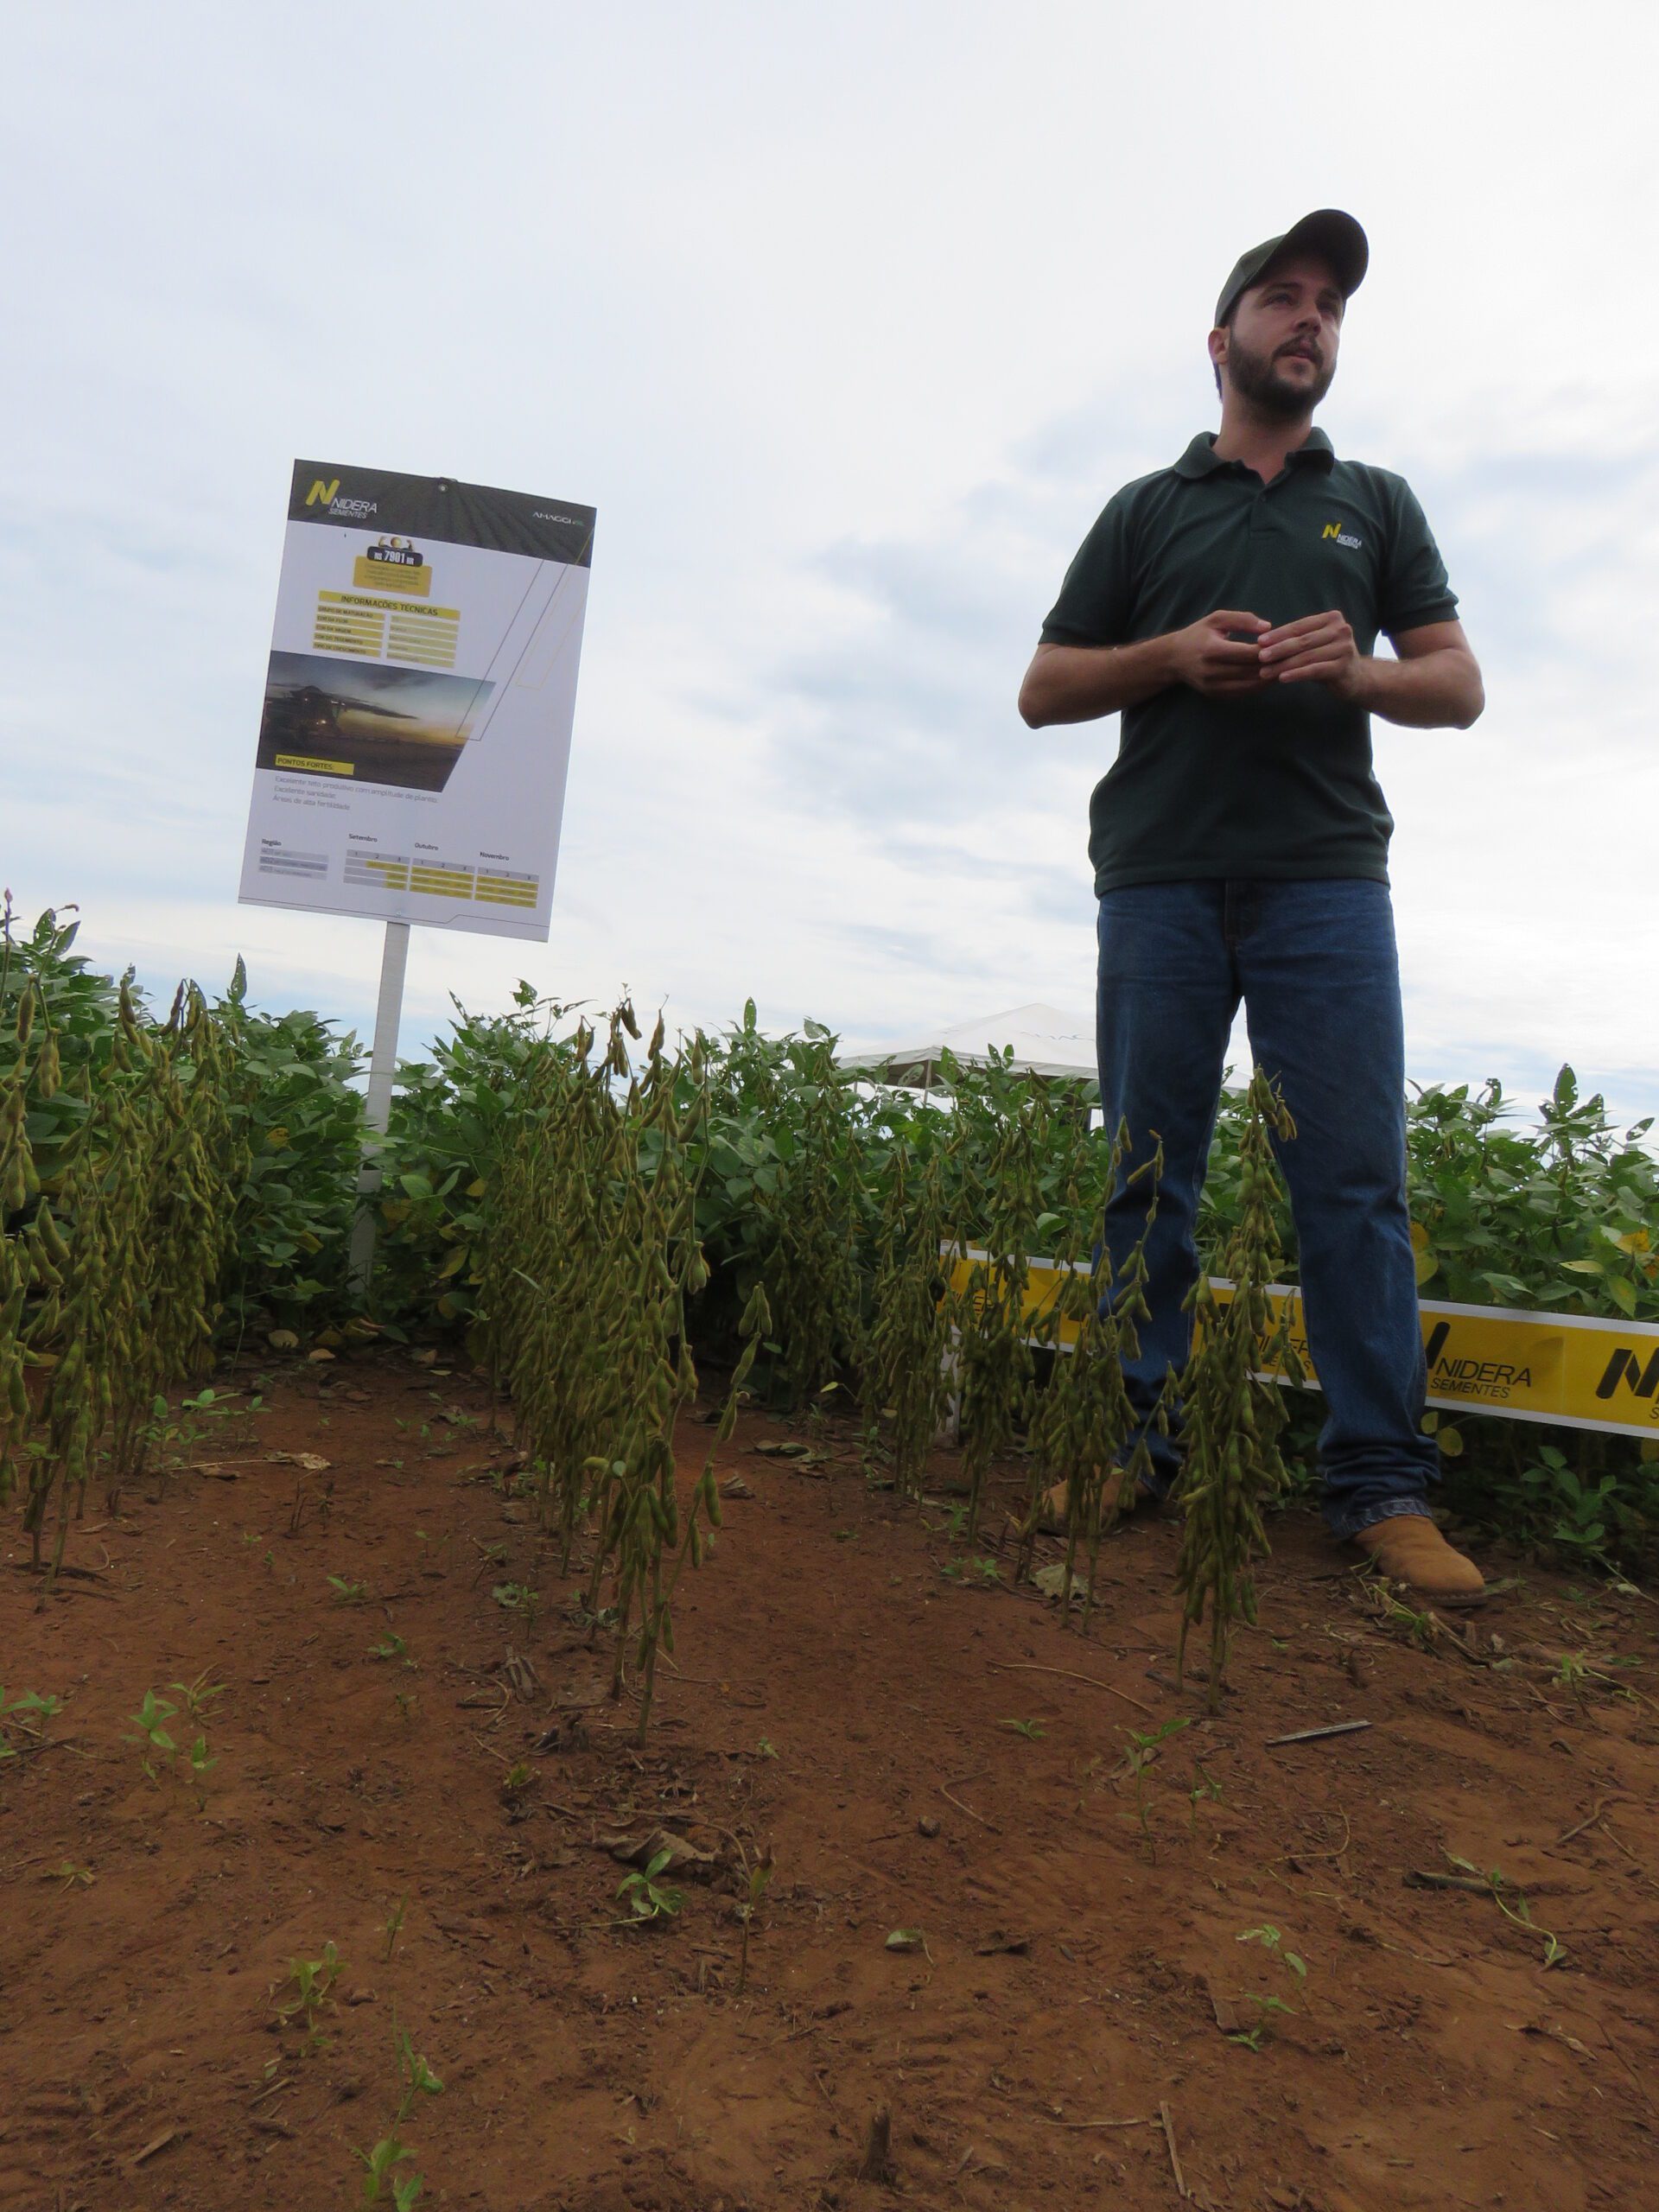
(903, 1376)
(111, 1260)
(1084, 1421)
(1231, 1419)
(993, 1351)
(590, 1257)
(19, 1182)
(809, 1270)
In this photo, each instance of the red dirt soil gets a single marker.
(1062, 2037)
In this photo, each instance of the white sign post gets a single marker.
(417, 724)
(377, 1106)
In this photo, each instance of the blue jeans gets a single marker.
(1314, 963)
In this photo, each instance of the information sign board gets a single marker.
(416, 728)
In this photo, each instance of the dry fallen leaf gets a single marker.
(1051, 1580)
(638, 1850)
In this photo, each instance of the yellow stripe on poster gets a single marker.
(314, 767)
(389, 607)
(1573, 1370)
(391, 575)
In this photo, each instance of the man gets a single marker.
(1227, 608)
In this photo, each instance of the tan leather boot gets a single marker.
(1052, 1520)
(1409, 1548)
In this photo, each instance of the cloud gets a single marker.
(848, 323)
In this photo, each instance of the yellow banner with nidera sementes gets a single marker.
(1573, 1370)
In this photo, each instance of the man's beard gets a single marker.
(1256, 378)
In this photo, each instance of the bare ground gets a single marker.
(1060, 2032)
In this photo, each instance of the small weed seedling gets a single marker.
(1266, 2007)
(392, 1647)
(1274, 1944)
(955, 1521)
(648, 1899)
(155, 1743)
(313, 1980)
(755, 1888)
(518, 1598)
(1519, 1910)
(69, 1876)
(1205, 1785)
(347, 1592)
(381, 2181)
(1033, 1730)
(765, 1749)
(435, 1550)
(31, 1708)
(195, 1698)
(394, 1926)
(169, 1444)
(1144, 1744)
(200, 1765)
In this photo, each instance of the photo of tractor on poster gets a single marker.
(401, 727)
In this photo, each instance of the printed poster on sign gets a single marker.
(416, 729)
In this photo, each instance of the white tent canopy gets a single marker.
(1045, 1041)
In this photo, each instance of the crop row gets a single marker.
(196, 1178)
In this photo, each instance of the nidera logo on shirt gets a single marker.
(1342, 537)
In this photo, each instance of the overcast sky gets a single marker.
(848, 319)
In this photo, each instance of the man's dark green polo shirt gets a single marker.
(1280, 786)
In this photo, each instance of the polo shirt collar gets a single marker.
(1199, 459)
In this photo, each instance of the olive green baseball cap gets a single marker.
(1327, 232)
